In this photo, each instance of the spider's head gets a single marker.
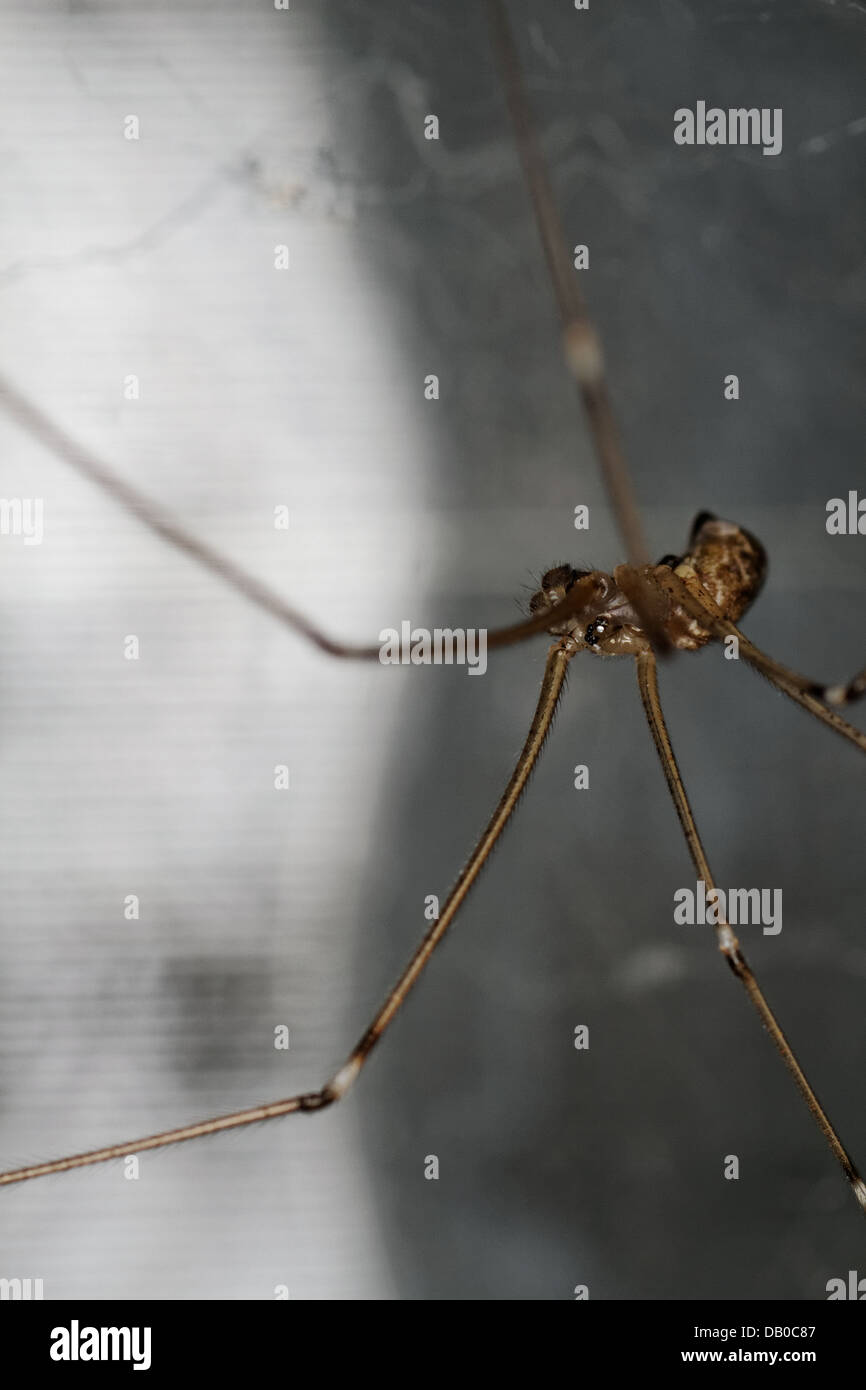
(601, 619)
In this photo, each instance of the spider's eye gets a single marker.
(598, 629)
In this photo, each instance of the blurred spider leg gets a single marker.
(581, 342)
(552, 687)
(727, 940)
(37, 424)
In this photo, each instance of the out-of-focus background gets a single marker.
(257, 388)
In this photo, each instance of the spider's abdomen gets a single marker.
(729, 561)
(726, 563)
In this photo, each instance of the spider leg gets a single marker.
(805, 692)
(552, 687)
(727, 940)
(36, 423)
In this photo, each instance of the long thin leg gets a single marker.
(727, 940)
(551, 689)
(807, 693)
(583, 352)
(804, 692)
(786, 679)
(581, 342)
(30, 418)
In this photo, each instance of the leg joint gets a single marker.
(339, 1084)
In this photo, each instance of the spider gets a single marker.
(612, 618)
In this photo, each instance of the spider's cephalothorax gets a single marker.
(724, 563)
